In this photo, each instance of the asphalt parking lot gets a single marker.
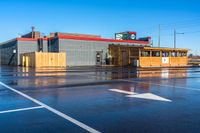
(95, 99)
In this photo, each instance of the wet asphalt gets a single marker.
(83, 93)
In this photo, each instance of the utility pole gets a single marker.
(174, 38)
(159, 35)
(175, 33)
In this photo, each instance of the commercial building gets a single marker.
(91, 50)
(87, 49)
(81, 49)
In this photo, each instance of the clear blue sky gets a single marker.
(105, 17)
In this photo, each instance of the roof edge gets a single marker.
(165, 48)
(102, 39)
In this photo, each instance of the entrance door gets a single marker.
(99, 56)
(124, 58)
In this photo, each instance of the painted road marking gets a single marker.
(123, 91)
(76, 122)
(163, 85)
(150, 96)
(22, 109)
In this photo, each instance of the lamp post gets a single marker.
(175, 33)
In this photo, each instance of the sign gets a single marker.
(125, 36)
(119, 36)
(165, 60)
(132, 36)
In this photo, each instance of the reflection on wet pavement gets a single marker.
(40, 77)
(109, 99)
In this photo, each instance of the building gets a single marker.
(81, 49)
(91, 50)
(85, 50)
(11, 50)
(147, 56)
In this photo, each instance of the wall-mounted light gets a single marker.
(14, 51)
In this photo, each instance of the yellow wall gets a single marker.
(174, 61)
(43, 59)
(157, 61)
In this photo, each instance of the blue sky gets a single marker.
(105, 17)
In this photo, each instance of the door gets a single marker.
(26, 61)
(124, 58)
(99, 56)
(40, 45)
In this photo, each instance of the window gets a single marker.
(174, 54)
(155, 53)
(165, 54)
(182, 54)
(145, 53)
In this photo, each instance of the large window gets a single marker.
(145, 53)
(165, 54)
(155, 53)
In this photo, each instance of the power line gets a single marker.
(190, 32)
(182, 26)
(182, 22)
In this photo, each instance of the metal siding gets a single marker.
(79, 52)
(82, 53)
(26, 47)
(6, 51)
(45, 46)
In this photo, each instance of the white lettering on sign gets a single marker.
(119, 36)
(165, 60)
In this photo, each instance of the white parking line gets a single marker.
(22, 109)
(76, 122)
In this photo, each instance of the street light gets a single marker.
(175, 33)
